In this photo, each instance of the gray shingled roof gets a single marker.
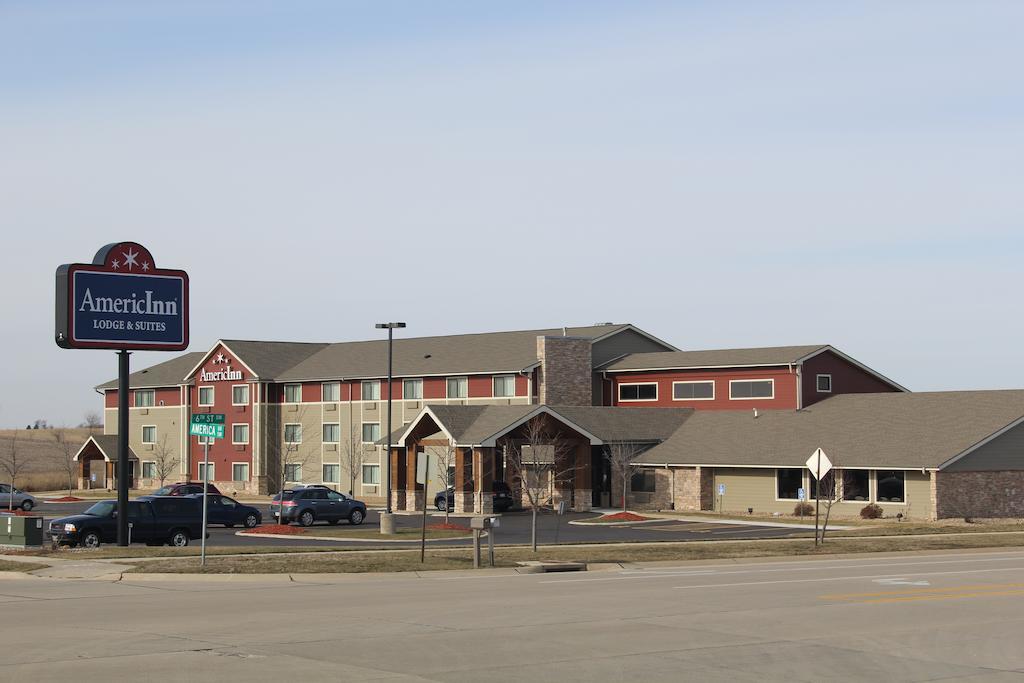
(768, 355)
(271, 359)
(899, 430)
(108, 446)
(417, 356)
(166, 374)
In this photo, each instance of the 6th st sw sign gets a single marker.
(209, 425)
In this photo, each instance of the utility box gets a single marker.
(21, 532)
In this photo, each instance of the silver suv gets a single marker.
(21, 500)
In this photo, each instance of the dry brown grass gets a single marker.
(41, 454)
(8, 566)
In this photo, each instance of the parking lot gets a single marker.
(514, 529)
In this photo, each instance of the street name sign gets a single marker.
(209, 425)
(121, 301)
(208, 418)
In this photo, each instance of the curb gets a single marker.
(344, 539)
(581, 522)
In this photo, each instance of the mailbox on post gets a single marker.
(479, 525)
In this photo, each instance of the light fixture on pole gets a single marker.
(387, 521)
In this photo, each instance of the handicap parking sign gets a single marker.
(801, 494)
(721, 489)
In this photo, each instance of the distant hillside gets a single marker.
(38, 446)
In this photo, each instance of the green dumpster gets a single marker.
(20, 532)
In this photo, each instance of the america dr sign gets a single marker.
(121, 301)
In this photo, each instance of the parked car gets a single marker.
(311, 503)
(228, 511)
(154, 521)
(185, 488)
(502, 497)
(20, 499)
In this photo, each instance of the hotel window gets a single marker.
(824, 384)
(412, 389)
(293, 393)
(332, 474)
(458, 387)
(504, 385)
(891, 486)
(371, 390)
(240, 434)
(293, 433)
(642, 480)
(855, 485)
(293, 471)
(149, 434)
(693, 391)
(210, 473)
(240, 395)
(638, 392)
(240, 471)
(371, 475)
(206, 396)
(788, 483)
(751, 388)
(144, 398)
(371, 432)
(332, 433)
(332, 392)
(149, 470)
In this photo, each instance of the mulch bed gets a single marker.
(450, 526)
(20, 513)
(624, 517)
(65, 499)
(283, 529)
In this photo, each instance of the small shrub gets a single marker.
(871, 511)
(803, 509)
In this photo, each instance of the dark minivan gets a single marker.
(153, 521)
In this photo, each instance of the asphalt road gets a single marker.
(909, 617)
(515, 529)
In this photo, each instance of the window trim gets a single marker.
(362, 389)
(210, 466)
(247, 392)
(284, 397)
(874, 493)
(412, 398)
(362, 476)
(817, 383)
(284, 435)
(842, 486)
(695, 381)
(248, 469)
(804, 484)
(323, 479)
(322, 392)
(448, 379)
(362, 431)
(293, 464)
(247, 433)
(142, 469)
(150, 392)
(753, 398)
(199, 396)
(323, 439)
(643, 470)
(619, 386)
(142, 435)
(501, 377)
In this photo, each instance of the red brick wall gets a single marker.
(785, 388)
(847, 378)
(222, 451)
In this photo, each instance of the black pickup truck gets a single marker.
(155, 521)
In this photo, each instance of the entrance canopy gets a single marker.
(102, 447)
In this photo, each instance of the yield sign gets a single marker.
(818, 463)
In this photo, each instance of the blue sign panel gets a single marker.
(122, 301)
(721, 489)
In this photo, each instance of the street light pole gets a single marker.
(387, 521)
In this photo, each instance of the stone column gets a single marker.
(463, 494)
(397, 474)
(413, 491)
(563, 473)
(483, 481)
(582, 491)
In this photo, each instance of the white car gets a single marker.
(21, 499)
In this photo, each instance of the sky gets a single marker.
(720, 174)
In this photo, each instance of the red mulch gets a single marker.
(283, 529)
(624, 517)
(20, 513)
(450, 526)
(65, 499)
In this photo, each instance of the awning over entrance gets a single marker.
(97, 460)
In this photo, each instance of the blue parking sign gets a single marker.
(801, 494)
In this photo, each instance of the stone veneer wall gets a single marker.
(979, 494)
(565, 376)
(692, 490)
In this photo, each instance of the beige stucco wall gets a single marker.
(169, 423)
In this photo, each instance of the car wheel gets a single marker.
(179, 539)
(251, 521)
(91, 539)
(442, 504)
(356, 518)
(27, 505)
(306, 518)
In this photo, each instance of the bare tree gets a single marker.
(444, 468)
(621, 455)
(165, 460)
(64, 456)
(296, 453)
(537, 460)
(12, 464)
(831, 491)
(92, 421)
(352, 457)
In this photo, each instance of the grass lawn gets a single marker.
(373, 533)
(8, 566)
(109, 552)
(404, 560)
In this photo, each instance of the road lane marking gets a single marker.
(901, 582)
(932, 598)
(843, 578)
(923, 591)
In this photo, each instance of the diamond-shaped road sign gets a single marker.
(818, 463)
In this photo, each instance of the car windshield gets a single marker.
(102, 509)
(163, 491)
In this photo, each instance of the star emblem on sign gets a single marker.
(129, 258)
(219, 359)
(115, 264)
(145, 266)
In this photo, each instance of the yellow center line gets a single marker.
(922, 591)
(951, 596)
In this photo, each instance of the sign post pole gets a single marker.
(208, 426)
(206, 479)
(122, 448)
(819, 465)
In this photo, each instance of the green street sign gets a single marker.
(208, 418)
(210, 431)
